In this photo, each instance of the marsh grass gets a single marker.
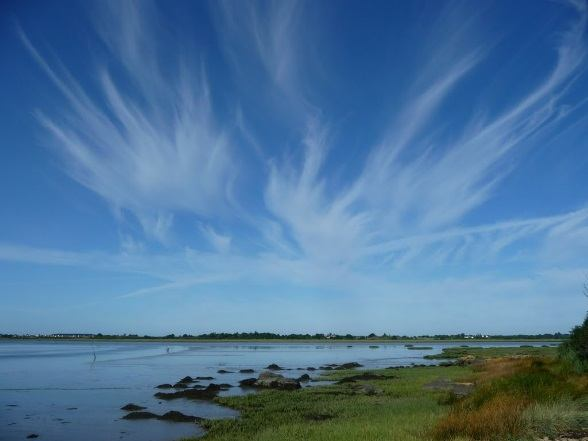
(515, 398)
(457, 352)
(405, 411)
(498, 418)
(521, 398)
(556, 417)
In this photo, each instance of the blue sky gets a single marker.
(400, 167)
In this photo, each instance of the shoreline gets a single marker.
(419, 403)
(277, 340)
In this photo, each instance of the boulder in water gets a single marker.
(271, 380)
(132, 407)
(274, 367)
(207, 393)
(140, 416)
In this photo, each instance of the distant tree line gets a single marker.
(274, 336)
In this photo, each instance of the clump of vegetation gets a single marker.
(479, 352)
(574, 352)
(556, 417)
(516, 397)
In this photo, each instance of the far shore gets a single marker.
(366, 341)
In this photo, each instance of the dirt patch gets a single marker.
(443, 384)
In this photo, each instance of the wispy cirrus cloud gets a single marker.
(152, 155)
(267, 35)
(157, 150)
(398, 195)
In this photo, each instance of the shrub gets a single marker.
(574, 352)
(496, 419)
(579, 340)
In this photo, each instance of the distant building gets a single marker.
(72, 335)
(476, 336)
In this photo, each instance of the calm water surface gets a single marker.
(62, 392)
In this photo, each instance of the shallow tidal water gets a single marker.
(70, 391)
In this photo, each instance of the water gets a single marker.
(66, 391)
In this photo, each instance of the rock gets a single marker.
(140, 416)
(274, 367)
(172, 415)
(311, 369)
(351, 365)
(179, 417)
(222, 386)
(205, 378)
(222, 371)
(466, 360)
(246, 371)
(132, 407)
(33, 435)
(186, 379)
(247, 382)
(304, 377)
(326, 368)
(207, 393)
(180, 386)
(271, 380)
(164, 386)
(363, 377)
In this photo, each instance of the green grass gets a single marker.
(517, 399)
(555, 417)
(451, 353)
(403, 410)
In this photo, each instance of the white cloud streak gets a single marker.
(164, 153)
(152, 158)
(395, 196)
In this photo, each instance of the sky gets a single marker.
(293, 166)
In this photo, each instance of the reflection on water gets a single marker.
(67, 391)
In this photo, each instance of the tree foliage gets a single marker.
(578, 341)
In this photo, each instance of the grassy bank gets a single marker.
(514, 398)
(484, 353)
